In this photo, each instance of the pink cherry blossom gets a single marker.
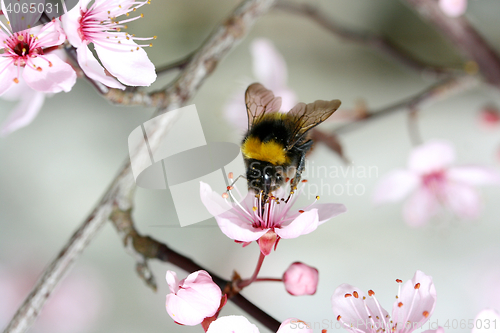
(301, 279)
(239, 324)
(413, 306)
(249, 220)
(269, 68)
(192, 299)
(453, 8)
(120, 55)
(25, 55)
(435, 183)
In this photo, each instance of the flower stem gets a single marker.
(269, 279)
(244, 283)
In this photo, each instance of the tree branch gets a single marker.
(463, 36)
(437, 91)
(379, 43)
(120, 192)
(179, 64)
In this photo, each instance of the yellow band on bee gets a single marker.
(271, 151)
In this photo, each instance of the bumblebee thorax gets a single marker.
(270, 151)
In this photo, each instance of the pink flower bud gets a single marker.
(192, 299)
(300, 279)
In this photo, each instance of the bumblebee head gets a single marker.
(264, 176)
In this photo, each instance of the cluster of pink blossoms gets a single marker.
(30, 66)
(197, 300)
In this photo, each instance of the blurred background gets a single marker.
(54, 171)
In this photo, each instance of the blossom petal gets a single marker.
(453, 8)
(93, 69)
(328, 210)
(8, 73)
(463, 200)
(420, 207)
(294, 325)
(231, 220)
(71, 25)
(303, 224)
(268, 64)
(52, 34)
(474, 175)
(54, 75)
(353, 308)
(395, 186)
(432, 156)
(231, 324)
(24, 112)
(129, 63)
(238, 229)
(213, 201)
(198, 281)
(489, 320)
(172, 281)
(416, 301)
(16, 91)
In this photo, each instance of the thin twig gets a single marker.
(463, 36)
(437, 91)
(379, 43)
(120, 192)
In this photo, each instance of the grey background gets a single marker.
(54, 171)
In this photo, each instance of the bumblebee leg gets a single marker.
(234, 181)
(303, 148)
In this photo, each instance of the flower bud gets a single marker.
(300, 279)
(192, 299)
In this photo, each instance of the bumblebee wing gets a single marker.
(307, 116)
(260, 101)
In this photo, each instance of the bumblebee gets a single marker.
(275, 145)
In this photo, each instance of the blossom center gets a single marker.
(434, 178)
(374, 321)
(20, 46)
(267, 212)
